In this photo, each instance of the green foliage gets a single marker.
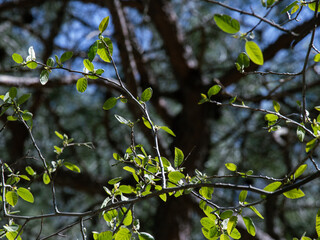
(294, 194)
(109, 103)
(226, 23)
(146, 95)
(103, 24)
(82, 84)
(231, 167)
(242, 62)
(254, 52)
(178, 157)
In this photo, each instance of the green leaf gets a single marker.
(103, 24)
(11, 228)
(128, 219)
(243, 61)
(175, 176)
(121, 119)
(146, 123)
(271, 117)
(32, 65)
(23, 98)
(44, 77)
(289, 7)
(235, 234)
(313, 5)
(25, 194)
(294, 193)
(50, 62)
(66, 56)
(123, 234)
(59, 135)
(13, 236)
(13, 92)
(114, 180)
(214, 90)
(178, 157)
(12, 198)
(146, 94)
(226, 214)
(27, 115)
(109, 103)
(226, 23)
(243, 195)
(46, 178)
(318, 223)
(82, 84)
(12, 118)
(145, 236)
(299, 171)
(126, 189)
(276, 106)
(232, 223)
(168, 130)
(272, 186)
(17, 58)
(88, 65)
(71, 167)
(300, 133)
(256, 212)
(30, 171)
(224, 237)
(104, 236)
(102, 51)
(206, 192)
(231, 167)
(310, 145)
(207, 222)
(203, 99)
(249, 225)
(317, 58)
(93, 51)
(254, 52)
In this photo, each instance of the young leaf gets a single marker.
(50, 62)
(310, 145)
(317, 58)
(254, 52)
(318, 223)
(93, 51)
(17, 58)
(88, 65)
(294, 193)
(32, 65)
(231, 167)
(32, 54)
(312, 6)
(226, 214)
(300, 133)
(299, 171)
(44, 76)
(30, 171)
(13, 92)
(271, 117)
(23, 98)
(71, 167)
(121, 119)
(145, 236)
(114, 180)
(272, 186)
(214, 90)
(226, 23)
(276, 106)
(12, 198)
(27, 115)
(66, 56)
(103, 24)
(224, 237)
(207, 222)
(289, 7)
(175, 176)
(25, 194)
(123, 234)
(249, 225)
(243, 195)
(109, 103)
(243, 61)
(146, 95)
(232, 223)
(82, 84)
(178, 157)
(235, 234)
(168, 130)
(146, 123)
(12, 118)
(102, 51)
(206, 192)
(256, 212)
(46, 178)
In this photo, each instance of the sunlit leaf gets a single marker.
(243, 195)
(175, 176)
(71, 167)
(254, 52)
(226, 214)
(17, 58)
(232, 223)
(276, 106)
(226, 23)
(12, 198)
(206, 192)
(146, 95)
(103, 24)
(123, 234)
(214, 90)
(178, 157)
(294, 193)
(30, 171)
(114, 180)
(299, 171)
(231, 167)
(272, 186)
(145, 236)
(88, 65)
(289, 7)
(46, 178)
(318, 223)
(256, 212)
(301, 133)
(109, 103)
(121, 119)
(66, 56)
(249, 225)
(310, 145)
(82, 84)
(102, 50)
(25, 194)
(23, 98)
(168, 130)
